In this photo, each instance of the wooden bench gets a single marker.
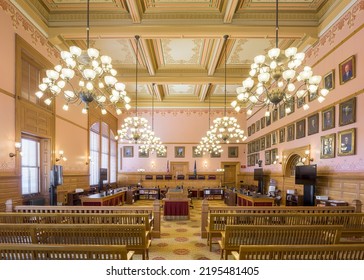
(153, 211)
(236, 235)
(78, 218)
(135, 237)
(300, 252)
(353, 223)
(64, 252)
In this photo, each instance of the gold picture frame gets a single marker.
(328, 146)
(179, 151)
(328, 118)
(347, 112)
(128, 151)
(233, 152)
(194, 154)
(347, 70)
(346, 141)
(328, 80)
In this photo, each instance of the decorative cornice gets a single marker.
(329, 36)
(20, 21)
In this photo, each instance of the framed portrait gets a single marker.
(179, 152)
(329, 80)
(249, 130)
(290, 132)
(328, 146)
(267, 158)
(253, 128)
(312, 96)
(347, 112)
(257, 145)
(281, 135)
(257, 125)
(162, 155)
(274, 154)
(313, 124)
(215, 154)
(128, 151)
(268, 120)
(268, 141)
(233, 152)
(249, 148)
(194, 154)
(300, 129)
(282, 111)
(301, 101)
(290, 106)
(262, 143)
(346, 142)
(347, 70)
(328, 118)
(274, 137)
(262, 122)
(143, 154)
(274, 115)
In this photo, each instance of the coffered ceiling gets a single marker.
(181, 57)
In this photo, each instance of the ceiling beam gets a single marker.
(230, 10)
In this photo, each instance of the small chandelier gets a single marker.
(227, 129)
(278, 81)
(208, 143)
(136, 129)
(153, 143)
(97, 83)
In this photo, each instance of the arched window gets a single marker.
(103, 152)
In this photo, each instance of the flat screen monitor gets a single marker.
(103, 174)
(306, 174)
(258, 174)
(57, 174)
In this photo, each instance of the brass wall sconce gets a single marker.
(17, 150)
(61, 156)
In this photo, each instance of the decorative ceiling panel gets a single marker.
(181, 55)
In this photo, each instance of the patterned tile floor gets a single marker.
(181, 240)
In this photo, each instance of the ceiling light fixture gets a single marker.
(153, 143)
(136, 129)
(227, 129)
(97, 83)
(208, 143)
(277, 81)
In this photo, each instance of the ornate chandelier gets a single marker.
(136, 129)
(153, 143)
(274, 80)
(208, 143)
(97, 82)
(226, 129)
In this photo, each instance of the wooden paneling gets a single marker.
(348, 186)
(74, 181)
(9, 189)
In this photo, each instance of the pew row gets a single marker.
(236, 235)
(64, 252)
(135, 237)
(153, 212)
(353, 223)
(300, 252)
(207, 210)
(78, 218)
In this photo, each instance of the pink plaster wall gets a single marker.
(342, 40)
(184, 127)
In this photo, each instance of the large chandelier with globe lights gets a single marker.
(226, 129)
(136, 129)
(275, 79)
(96, 80)
(208, 143)
(153, 143)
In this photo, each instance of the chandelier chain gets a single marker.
(88, 25)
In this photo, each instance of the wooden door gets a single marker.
(179, 168)
(230, 175)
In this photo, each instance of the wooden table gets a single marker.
(100, 199)
(262, 200)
